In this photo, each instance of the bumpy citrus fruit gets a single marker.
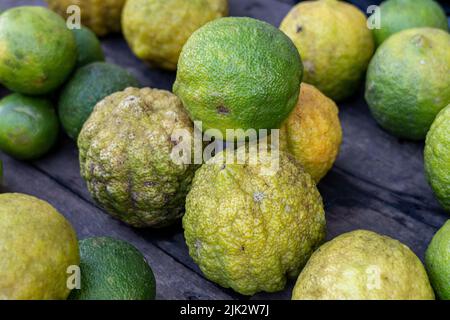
(239, 73)
(88, 47)
(313, 132)
(37, 51)
(86, 87)
(334, 42)
(37, 246)
(398, 15)
(157, 30)
(101, 16)
(250, 230)
(437, 260)
(113, 270)
(408, 81)
(126, 156)
(363, 265)
(437, 157)
(28, 126)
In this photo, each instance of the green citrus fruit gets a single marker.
(113, 270)
(250, 226)
(101, 16)
(408, 81)
(312, 133)
(37, 246)
(239, 73)
(157, 30)
(398, 15)
(334, 43)
(37, 52)
(28, 126)
(363, 265)
(437, 260)
(89, 85)
(88, 47)
(126, 156)
(437, 157)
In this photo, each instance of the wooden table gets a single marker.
(377, 183)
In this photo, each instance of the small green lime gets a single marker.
(437, 260)
(437, 157)
(28, 126)
(37, 51)
(113, 270)
(398, 15)
(88, 47)
(89, 85)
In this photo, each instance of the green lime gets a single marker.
(437, 260)
(28, 126)
(239, 73)
(37, 52)
(398, 15)
(437, 157)
(89, 85)
(408, 81)
(113, 270)
(88, 47)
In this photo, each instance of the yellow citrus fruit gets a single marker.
(334, 43)
(312, 132)
(101, 16)
(157, 30)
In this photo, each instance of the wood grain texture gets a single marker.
(378, 182)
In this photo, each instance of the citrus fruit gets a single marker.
(250, 230)
(88, 47)
(126, 156)
(86, 87)
(157, 30)
(334, 43)
(312, 132)
(113, 270)
(363, 265)
(28, 126)
(101, 16)
(437, 260)
(238, 73)
(37, 246)
(398, 15)
(37, 51)
(408, 81)
(437, 157)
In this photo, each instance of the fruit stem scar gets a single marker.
(222, 110)
(299, 28)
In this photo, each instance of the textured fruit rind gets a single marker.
(249, 231)
(437, 157)
(363, 265)
(113, 270)
(408, 81)
(334, 43)
(312, 133)
(101, 16)
(239, 73)
(37, 245)
(437, 260)
(37, 51)
(157, 30)
(398, 15)
(125, 156)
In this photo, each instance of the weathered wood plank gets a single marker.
(174, 281)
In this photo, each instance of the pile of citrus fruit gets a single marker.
(252, 215)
